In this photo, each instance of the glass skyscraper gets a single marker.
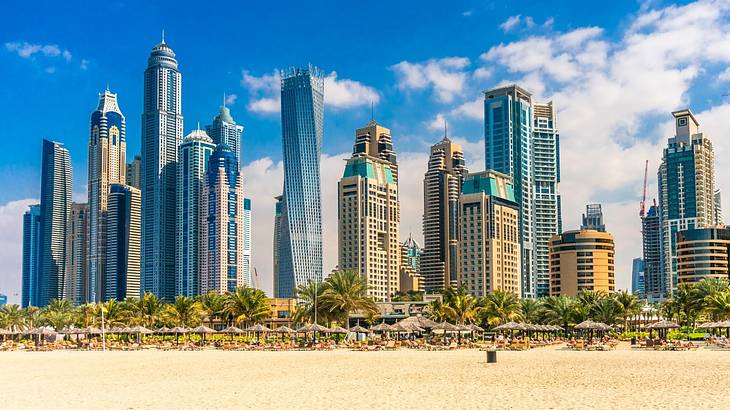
(107, 165)
(56, 188)
(248, 278)
(224, 130)
(162, 131)
(123, 232)
(193, 156)
(77, 260)
(637, 277)
(31, 253)
(302, 125)
(686, 189)
(651, 230)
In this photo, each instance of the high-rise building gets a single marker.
(651, 229)
(588, 266)
(369, 216)
(193, 156)
(223, 230)
(302, 121)
(56, 189)
(123, 244)
(31, 254)
(3, 300)
(411, 279)
(134, 172)
(508, 139)
(637, 277)
(593, 218)
(162, 132)
(703, 254)
(375, 141)
(719, 220)
(441, 189)
(107, 165)
(224, 130)
(489, 245)
(546, 169)
(686, 189)
(77, 265)
(277, 242)
(247, 273)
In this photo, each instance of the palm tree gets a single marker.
(309, 295)
(559, 310)
(345, 292)
(462, 308)
(151, 309)
(183, 312)
(212, 305)
(436, 310)
(718, 305)
(530, 310)
(86, 315)
(114, 313)
(32, 315)
(588, 298)
(629, 305)
(500, 307)
(58, 313)
(607, 310)
(688, 305)
(247, 305)
(14, 317)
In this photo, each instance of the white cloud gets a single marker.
(482, 73)
(27, 50)
(84, 65)
(510, 23)
(467, 13)
(11, 246)
(447, 76)
(50, 70)
(339, 93)
(548, 24)
(67, 55)
(437, 123)
(231, 99)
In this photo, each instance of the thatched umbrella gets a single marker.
(339, 330)
(284, 329)
(662, 326)
(420, 321)
(382, 327)
(258, 329)
(178, 330)
(231, 330)
(162, 331)
(358, 329)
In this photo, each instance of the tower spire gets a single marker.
(372, 110)
(163, 36)
(224, 99)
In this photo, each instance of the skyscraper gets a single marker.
(223, 231)
(593, 218)
(686, 189)
(224, 130)
(302, 121)
(375, 141)
(123, 247)
(719, 220)
(193, 157)
(107, 165)
(31, 254)
(489, 243)
(134, 172)
(277, 242)
(441, 189)
(56, 187)
(651, 231)
(637, 277)
(410, 266)
(546, 169)
(162, 131)
(509, 149)
(247, 274)
(77, 276)
(369, 214)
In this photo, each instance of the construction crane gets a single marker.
(642, 206)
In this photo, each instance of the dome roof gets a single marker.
(198, 135)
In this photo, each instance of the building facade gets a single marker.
(637, 277)
(247, 268)
(686, 189)
(224, 130)
(134, 172)
(107, 165)
(31, 255)
(441, 189)
(123, 243)
(223, 231)
(279, 207)
(719, 219)
(489, 245)
(651, 232)
(411, 279)
(703, 254)
(302, 126)
(369, 216)
(56, 191)
(582, 260)
(162, 132)
(593, 218)
(78, 279)
(193, 156)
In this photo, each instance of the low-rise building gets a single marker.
(582, 260)
(282, 310)
(702, 254)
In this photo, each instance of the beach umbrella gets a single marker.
(140, 330)
(284, 329)
(663, 324)
(258, 329)
(163, 330)
(339, 330)
(358, 329)
(382, 327)
(202, 330)
(177, 330)
(446, 327)
(586, 325)
(231, 330)
(420, 321)
(510, 326)
(475, 328)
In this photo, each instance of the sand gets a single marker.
(545, 378)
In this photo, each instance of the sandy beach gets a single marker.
(545, 378)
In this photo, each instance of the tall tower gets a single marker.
(375, 141)
(224, 130)
(162, 131)
(651, 232)
(441, 188)
(369, 214)
(593, 218)
(77, 276)
(223, 233)
(134, 172)
(277, 242)
(247, 242)
(107, 165)
(31, 253)
(122, 269)
(193, 157)
(686, 189)
(56, 187)
(546, 166)
(302, 126)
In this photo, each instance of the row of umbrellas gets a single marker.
(528, 326)
(715, 325)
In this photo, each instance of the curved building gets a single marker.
(703, 254)
(162, 131)
(582, 260)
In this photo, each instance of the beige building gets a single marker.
(282, 310)
(369, 213)
(703, 254)
(489, 245)
(581, 260)
(134, 172)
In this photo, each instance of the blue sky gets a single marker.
(615, 71)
